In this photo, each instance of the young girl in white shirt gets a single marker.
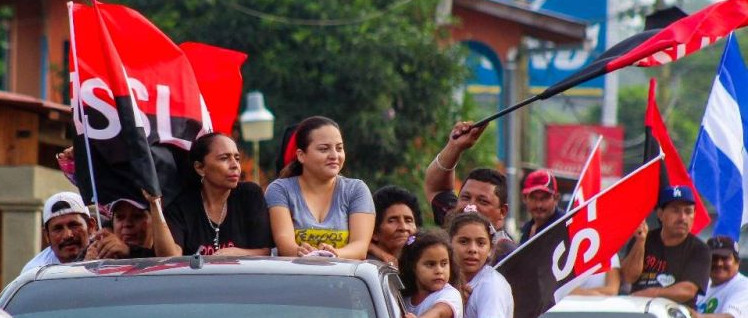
(430, 275)
(491, 294)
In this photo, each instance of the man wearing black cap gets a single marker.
(668, 261)
(727, 295)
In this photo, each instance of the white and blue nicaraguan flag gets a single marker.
(719, 165)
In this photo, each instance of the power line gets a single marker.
(314, 22)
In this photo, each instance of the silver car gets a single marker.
(616, 307)
(213, 287)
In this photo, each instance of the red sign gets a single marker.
(568, 146)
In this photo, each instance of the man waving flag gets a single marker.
(719, 160)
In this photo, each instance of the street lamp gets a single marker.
(257, 124)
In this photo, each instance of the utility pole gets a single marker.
(514, 136)
(610, 95)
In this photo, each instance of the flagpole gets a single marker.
(501, 113)
(91, 170)
(584, 170)
(78, 105)
(578, 208)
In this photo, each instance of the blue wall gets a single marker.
(549, 67)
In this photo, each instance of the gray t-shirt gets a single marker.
(350, 196)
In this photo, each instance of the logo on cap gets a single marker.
(676, 192)
(723, 245)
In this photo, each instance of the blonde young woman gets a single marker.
(313, 209)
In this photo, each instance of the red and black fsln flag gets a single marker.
(119, 147)
(659, 46)
(174, 90)
(672, 172)
(559, 258)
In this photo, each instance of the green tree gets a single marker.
(383, 72)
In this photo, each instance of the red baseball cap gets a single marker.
(540, 180)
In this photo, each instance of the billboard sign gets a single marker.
(568, 146)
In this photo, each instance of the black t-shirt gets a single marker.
(665, 266)
(246, 225)
(141, 252)
(557, 214)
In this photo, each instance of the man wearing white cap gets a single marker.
(67, 227)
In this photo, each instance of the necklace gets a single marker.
(217, 227)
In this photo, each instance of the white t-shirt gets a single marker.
(448, 295)
(491, 296)
(598, 280)
(45, 257)
(730, 297)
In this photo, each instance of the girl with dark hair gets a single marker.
(313, 209)
(471, 240)
(429, 273)
(219, 215)
(398, 217)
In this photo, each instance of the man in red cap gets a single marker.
(540, 195)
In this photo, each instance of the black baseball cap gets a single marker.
(723, 246)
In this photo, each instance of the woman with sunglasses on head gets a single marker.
(218, 215)
(313, 209)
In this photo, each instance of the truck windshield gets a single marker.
(187, 296)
